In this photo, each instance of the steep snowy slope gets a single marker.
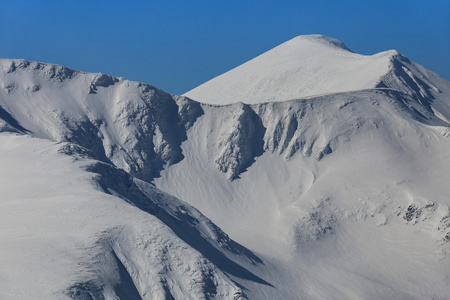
(305, 66)
(134, 125)
(73, 227)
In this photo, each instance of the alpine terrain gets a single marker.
(309, 172)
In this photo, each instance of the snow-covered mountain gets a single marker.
(309, 66)
(75, 224)
(327, 169)
(76, 228)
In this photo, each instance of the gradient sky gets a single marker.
(177, 45)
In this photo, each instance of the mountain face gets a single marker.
(327, 169)
(312, 65)
(77, 228)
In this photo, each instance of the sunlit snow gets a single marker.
(310, 172)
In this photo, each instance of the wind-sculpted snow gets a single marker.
(410, 78)
(240, 139)
(49, 71)
(190, 225)
(136, 126)
(104, 235)
(312, 127)
(316, 126)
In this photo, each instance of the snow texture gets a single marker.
(133, 125)
(328, 171)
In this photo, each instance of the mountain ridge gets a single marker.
(304, 66)
(325, 195)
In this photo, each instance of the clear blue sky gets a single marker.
(177, 45)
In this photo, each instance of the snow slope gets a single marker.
(352, 188)
(301, 67)
(134, 125)
(75, 228)
(340, 192)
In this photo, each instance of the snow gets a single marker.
(310, 172)
(63, 237)
(302, 67)
(336, 224)
(113, 117)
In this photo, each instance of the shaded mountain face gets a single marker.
(135, 126)
(329, 168)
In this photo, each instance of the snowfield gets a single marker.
(310, 172)
(309, 66)
(75, 228)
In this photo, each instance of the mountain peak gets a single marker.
(306, 66)
(318, 40)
